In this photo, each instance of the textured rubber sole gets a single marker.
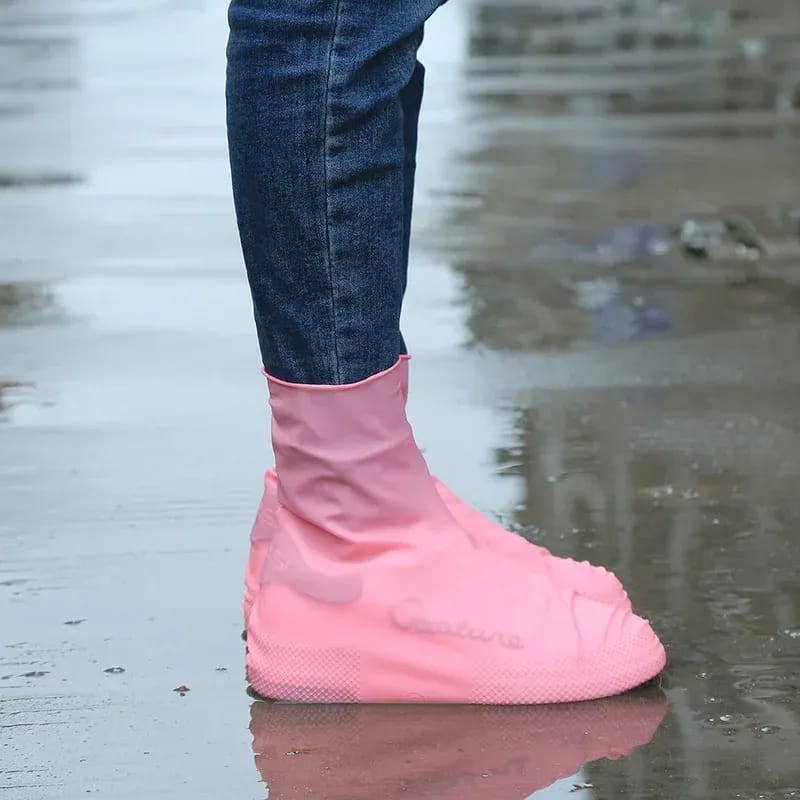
(288, 671)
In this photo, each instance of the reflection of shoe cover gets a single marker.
(594, 582)
(440, 752)
(373, 593)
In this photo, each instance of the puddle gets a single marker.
(621, 212)
(569, 239)
(688, 494)
(657, 262)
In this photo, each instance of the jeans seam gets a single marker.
(326, 133)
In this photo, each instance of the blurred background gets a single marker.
(604, 309)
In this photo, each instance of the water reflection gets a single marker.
(440, 752)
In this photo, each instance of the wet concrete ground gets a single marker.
(605, 313)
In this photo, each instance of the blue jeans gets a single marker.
(323, 101)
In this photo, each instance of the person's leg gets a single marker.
(319, 164)
(373, 592)
(596, 583)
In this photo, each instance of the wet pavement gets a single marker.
(605, 314)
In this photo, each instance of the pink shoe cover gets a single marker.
(374, 593)
(596, 583)
(440, 752)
